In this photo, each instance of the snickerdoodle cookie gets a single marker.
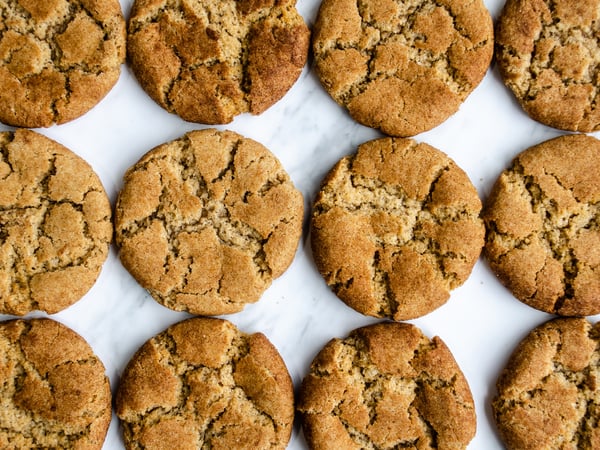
(548, 394)
(202, 383)
(54, 391)
(210, 60)
(543, 226)
(548, 55)
(402, 66)
(395, 228)
(386, 386)
(207, 221)
(58, 58)
(55, 224)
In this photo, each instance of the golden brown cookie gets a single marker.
(395, 228)
(208, 61)
(548, 394)
(548, 54)
(402, 66)
(54, 392)
(207, 221)
(58, 58)
(202, 383)
(55, 224)
(542, 219)
(386, 386)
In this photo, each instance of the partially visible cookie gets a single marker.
(55, 224)
(542, 219)
(386, 386)
(54, 392)
(210, 61)
(202, 383)
(58, 58)
(207, 221)
(396, 227)
(402, 66)
(548, 55)
(548, 393)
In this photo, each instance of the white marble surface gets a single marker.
(481, 323)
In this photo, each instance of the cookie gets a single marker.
(398, 66)
(395, 227)
(202, 383)
(207, 221)
(54, 391)
(547, 54)
(58, 58)
(543, 238)
(386, 386)
(548, 393)
(209, 61)
(55, 224)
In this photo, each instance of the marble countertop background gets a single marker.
(308, 132)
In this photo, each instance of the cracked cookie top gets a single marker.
(548, 393)
(207, 221)
(55, 224)
(202, 383)
(54, 391)
(395, 227)
(386, 386)
(402, 66)
(58, 58)
(543, 226)
(210, 60)
(548, 55)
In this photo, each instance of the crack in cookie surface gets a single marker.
(221, 216)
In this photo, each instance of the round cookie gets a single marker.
(55, 224)
(58, 58)
(202, 383)
(207, 221)
(548, 394)
(542, 219)
(386, 386)
(54, 391)
(396, 227)
(548, 55)
(209, 61)
(402, 67)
